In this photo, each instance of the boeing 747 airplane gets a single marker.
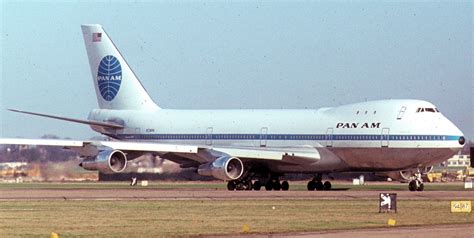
(253, 148)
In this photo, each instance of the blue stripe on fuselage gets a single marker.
(276, 137)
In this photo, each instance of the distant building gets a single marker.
(458, 161)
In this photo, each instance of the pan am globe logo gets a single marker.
(109, 77)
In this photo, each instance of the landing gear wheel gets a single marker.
(285, 186)
(276, 185)
(311, 185)
(421, 187)
(257, 185)
(268, 185)
(327, 185)
(248, 185)
(412, 185)
(231, 185)
(319, 185)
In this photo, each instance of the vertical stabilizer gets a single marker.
(116, 85)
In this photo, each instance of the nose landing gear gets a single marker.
(416, 183)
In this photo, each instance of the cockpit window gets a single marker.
(427, 109)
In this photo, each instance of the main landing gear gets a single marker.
(240, 185)
(416, 183)
(275, 184)
(272, 183)
(317, 184)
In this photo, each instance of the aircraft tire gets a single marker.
(248, 185)
(327, 185)
(412, 185)
(268, 185)
(231, 185)
(257, 185)
(311, 185)
(285, 186)
(276, 185)
(319, 185)
(421, 187)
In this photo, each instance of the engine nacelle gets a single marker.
(224, 168)
(107, 161)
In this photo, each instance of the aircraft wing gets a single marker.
(83, 146)
(179, 153)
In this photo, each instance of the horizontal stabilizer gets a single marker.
(87, 122)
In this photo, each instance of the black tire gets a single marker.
(327, 185)
(319, 185)
(421, 187)
(248, 185)
(268, 185)
(311, 185)
(285, 186)
(257, 185)
(276, 185)
(231, 185)
(412, 185)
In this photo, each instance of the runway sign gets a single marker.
(461, 206)
(387, 202)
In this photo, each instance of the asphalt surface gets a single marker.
(210, 194)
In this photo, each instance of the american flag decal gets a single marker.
(96, 37)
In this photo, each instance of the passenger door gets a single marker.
(329, 133)
(385, 137)
(209, 136)
(263, 136)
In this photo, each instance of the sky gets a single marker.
(215, 55)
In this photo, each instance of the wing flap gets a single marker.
(293, 155)
(45, 142)
(148, 147)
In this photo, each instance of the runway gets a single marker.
(94, 198)
(209, 194)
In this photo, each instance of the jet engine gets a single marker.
(224, 168)
(107, 161)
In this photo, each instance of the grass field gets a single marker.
(157, 218)
(186, 218)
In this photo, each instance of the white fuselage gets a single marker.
(372, 136)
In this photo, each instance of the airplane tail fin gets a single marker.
(116, 85)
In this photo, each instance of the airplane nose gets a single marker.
(462, 140)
